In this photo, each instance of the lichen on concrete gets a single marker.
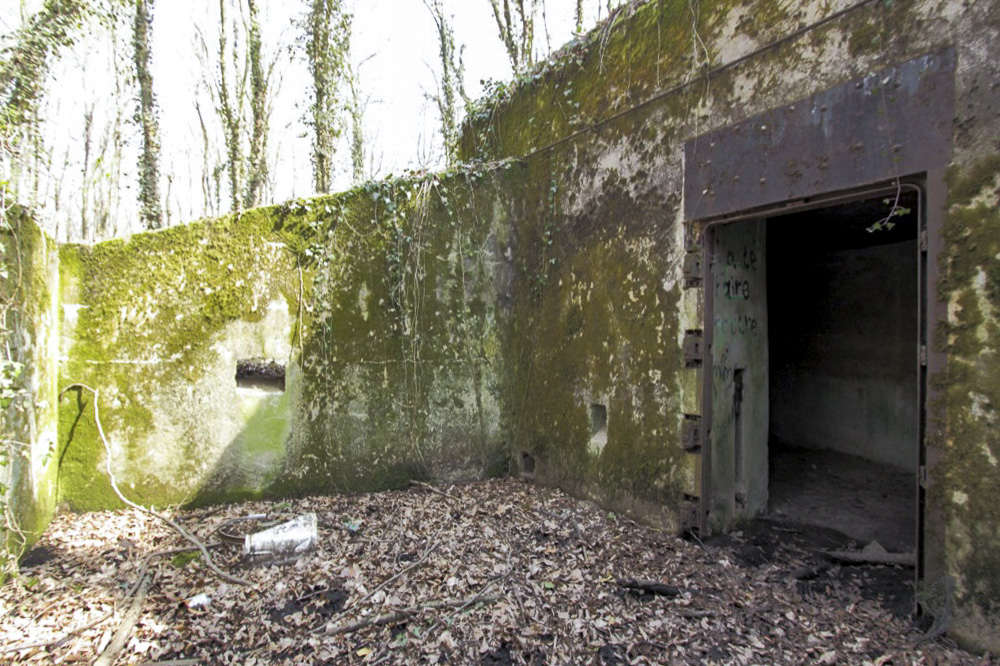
(968, 492)
(28, 415)
(401, 364)
(156, 326)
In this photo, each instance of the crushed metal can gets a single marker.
(199, 602)
(283, 542)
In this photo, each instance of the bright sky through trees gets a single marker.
(395, 54)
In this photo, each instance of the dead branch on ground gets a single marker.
(114, 485)
(403, 613)
(650, 586)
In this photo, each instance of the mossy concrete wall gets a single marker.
(402, 353)
(594, 322)
(29, 416)
(155, 324)
(599, 309)
(380, 303)
(966, 428)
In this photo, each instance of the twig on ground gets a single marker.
(395, 616)
(650, 586)
(697, 539)
(117, 643)
(136, 586)
(55, 603)
(427, 486)
(383, 584)
(114, 485)
(402, 572)
(475, 597)
(56, 642)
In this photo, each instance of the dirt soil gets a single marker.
(864, 499)
(498, 572)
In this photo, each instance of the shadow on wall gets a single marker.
(365, 444)
(264, 400)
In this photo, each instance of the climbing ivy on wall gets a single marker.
(12, 540)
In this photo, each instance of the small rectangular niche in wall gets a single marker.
(260, 375)
(527, 464)
(598, 426)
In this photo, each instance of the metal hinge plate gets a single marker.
(691, 434)
(692, 348)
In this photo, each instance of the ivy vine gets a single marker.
(12, 539)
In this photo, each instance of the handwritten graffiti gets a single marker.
(734, 284)
(723, 368)
(740, 324)
(734, 288)
(748, 261)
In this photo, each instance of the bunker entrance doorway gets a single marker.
(815, 394)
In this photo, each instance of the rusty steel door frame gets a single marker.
(866, 135)
(931, 196)
(706, 231)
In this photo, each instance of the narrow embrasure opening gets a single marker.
(598, 424)
(259, 374)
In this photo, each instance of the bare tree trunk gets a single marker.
(108, 207)
(452, 80)
(209, 171)
(328, 29)
(517, 30)
(231, 118)
(357, 130)
(504, 27)
(257, 176)
(88, 125)
(150, 210)
(579, 16)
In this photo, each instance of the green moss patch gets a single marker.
(969, 495)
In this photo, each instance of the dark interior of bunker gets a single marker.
(843, 368)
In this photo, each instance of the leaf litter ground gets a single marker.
(495, 572)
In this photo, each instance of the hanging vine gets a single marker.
(12, 539)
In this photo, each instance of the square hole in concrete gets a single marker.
(598, 425)
(527, 464)
(260, 375)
